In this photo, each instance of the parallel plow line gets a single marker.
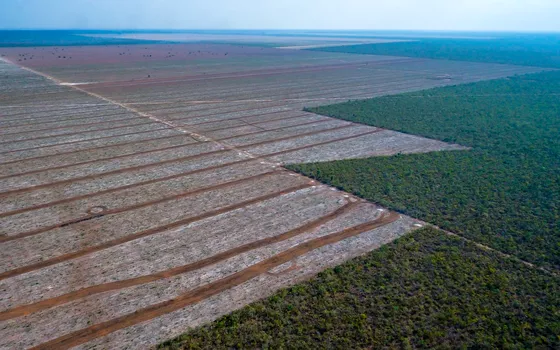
(216, 167)
(93, 149)
(60, 118)
(126, 187)
(164, 137)
(282, 89)
(287, 110)
(254, 89)
(320, 143)
(351, 91)
(163, 127)
(76, 133)
(135, 206)
(206, 77)
(111, 286)
(255, 93)
(149, 232)
(199, 294)
(65, 109)
(105, 159)
(9, 192)
(63, 127)
(246, 123)
(275, 129)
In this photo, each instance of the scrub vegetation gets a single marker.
(503, 192)
(529, 50)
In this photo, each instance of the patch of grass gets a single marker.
(504, 193)
(536, 50)
(425, 290)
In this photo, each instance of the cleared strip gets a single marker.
(94, 148)
(297, 136)
(136, 206)
(278, 104)
(179, 159)
(257, 122)
(118, 171)
(94, 139)
(99, 160)
(76, 133)
(101, 288)
(266, 72)
(276, 129)
(168, 161)
(320, 143)
(70, 199)
(237, 118)
(115, 242)
(206, 291)
(64, 127)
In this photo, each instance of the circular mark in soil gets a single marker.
(100, 209)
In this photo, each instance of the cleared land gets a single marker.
(150, 198)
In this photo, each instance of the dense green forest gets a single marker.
(504, 193)
(535, 50)
(426, 290)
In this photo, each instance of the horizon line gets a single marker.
(294, 29)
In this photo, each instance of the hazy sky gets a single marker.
(510, 15)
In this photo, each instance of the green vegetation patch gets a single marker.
(504, 193)
(538, 50)
(425, 290)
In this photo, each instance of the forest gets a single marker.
(528, 50)
(504, 192)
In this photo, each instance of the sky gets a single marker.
(463, 15)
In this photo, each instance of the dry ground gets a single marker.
(134, 207)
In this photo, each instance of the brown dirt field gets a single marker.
(134, 208)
